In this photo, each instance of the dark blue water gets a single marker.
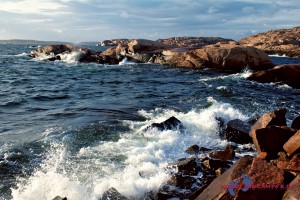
(78, 124)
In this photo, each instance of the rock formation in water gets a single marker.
(285, 74)
(281, 42)
(193, 42)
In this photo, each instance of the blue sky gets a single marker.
(96, 20)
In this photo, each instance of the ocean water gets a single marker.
(75, 130)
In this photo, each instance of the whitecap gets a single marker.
(134, 164)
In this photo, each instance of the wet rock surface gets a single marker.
(238, 131)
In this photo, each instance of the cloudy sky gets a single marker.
(96, 20)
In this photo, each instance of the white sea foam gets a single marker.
(134, 164)
(244, 74)
(72, 57)
(126, 62)
(22, 54)
(276, 55)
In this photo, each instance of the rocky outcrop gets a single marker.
(281, 42)
(192, 42)
(114, 42)
(229, 56)
(170, 124)
(285, 74)
(220, 56)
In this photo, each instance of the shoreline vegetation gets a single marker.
(201, 177)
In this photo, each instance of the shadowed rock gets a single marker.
(276, 117)
(296, 123)
(238, 131)
(59, 198)
(279, 135)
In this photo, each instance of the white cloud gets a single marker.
(30, 6)
(98, 19)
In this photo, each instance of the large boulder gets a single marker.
(282, 42)
(285, 74)
(279, 135)
(51, 50)
(66, 52)
(222, 56)
(238, 131)
(276, 117)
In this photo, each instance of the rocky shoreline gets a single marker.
(227, 56)
(274, 172)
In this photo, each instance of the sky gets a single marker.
(97, 20)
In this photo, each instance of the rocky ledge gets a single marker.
(185, 42)
(223, 55)
(285, 74)
(281, 42)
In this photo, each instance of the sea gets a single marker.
(77, 129)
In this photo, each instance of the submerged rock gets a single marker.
(112, 193)
(285, 74)
(170, 124)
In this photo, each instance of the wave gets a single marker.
(134, 164)
(276, 55)
(241, 75)
(70, 58)
(126, 62)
